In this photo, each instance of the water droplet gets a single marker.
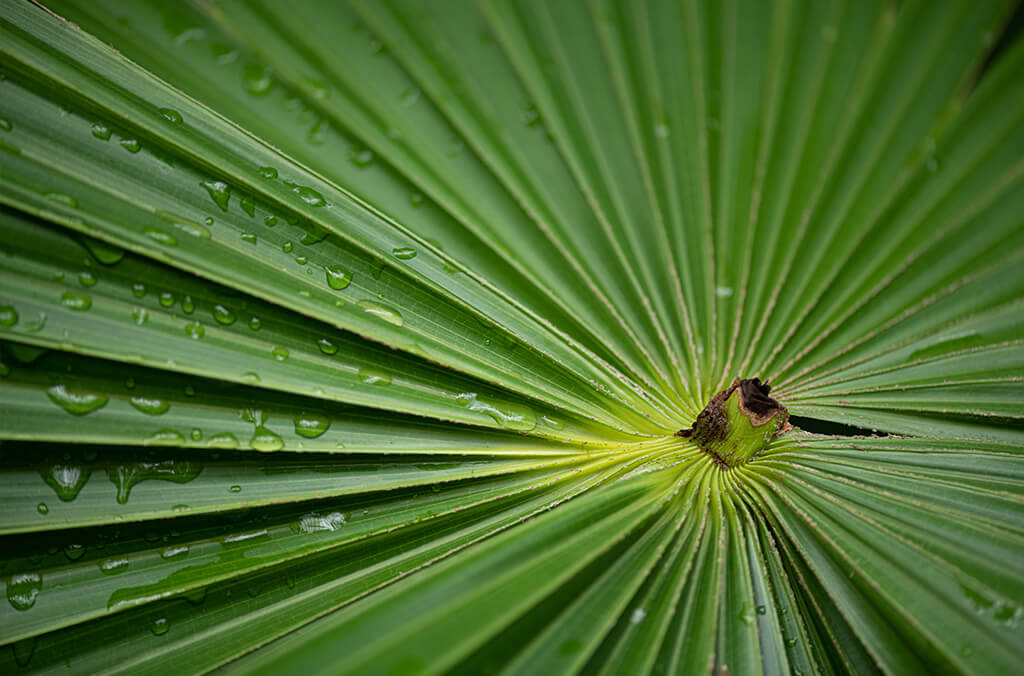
(150, 406)
(723, 291)
(978, 601)
(194, 330)
(61, 198)
(404, 253)
(196, 596)
(66, 480)
(530, 117)
(8, 315)
(185, 225)
(319, 523)
(36, 325)
(270, 220)
(87, 279)
(107, 254)
(280, 353)
(74, 551)
(160, 626)
(76, 402)
(76, 301)
(337, 278)
(268, 172)
(132, 145)
(287, 247)
(165, 437)
(219, 192)
(551, 422)
(1007, 614)
(637, 616)
(139, 290)
(188, 305)
(266, 440)
(416, 199)
(508, 415)
(258, 80)
(224, 440)
(326, 346)
(225, 316)
(235, 489)
(166, 298)
(372, 376)
(311, 426)
(790, 642)
(761, 610)
(310, 196)
(23, 590)
(746, 615)
(380, 311)
(114, 566)
(361, 157)
(174, 552)
(127, 476)
(248, 204)
(23, 651)
(5, 124)
(101, 131)
(159, 236)
(255, 323)
(251, 377)
(42, 508)
(172, 116)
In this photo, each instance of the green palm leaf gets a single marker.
(356, 337)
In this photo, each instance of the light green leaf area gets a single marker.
(356, 337)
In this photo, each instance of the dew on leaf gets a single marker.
(388, 314)
(127, 476)
(76, 301)
(266, 440)
(101, 131)
(23, 590)
(326, 346)
(372, 376)
(75, 401)
(311, 426)
(336, 277)
(150, 406)
(219, 193)
(8, 315)
(159, 236)
(172, 116)
(194, 330)
(223, 315)
(224, 440)
(67, 480)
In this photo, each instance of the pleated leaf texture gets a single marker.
(356, 337)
